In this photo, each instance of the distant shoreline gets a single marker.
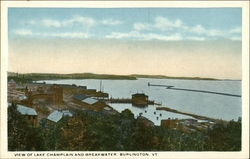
(55, 76)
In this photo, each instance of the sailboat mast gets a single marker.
(100, 85)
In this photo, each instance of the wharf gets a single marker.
(125, 100)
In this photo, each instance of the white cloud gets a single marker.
(177, 26)
(152, 36)
(74, 20)
(163, 23)
(170, 29)
(51, 23)
(80, 20)
(111, 22)
(77, 19)
(69, 35)
(235, 38)
(160, 23)
(236, 30)
(119, 35)
(148, 36)
(142, 26)
(214, 32)
(23, 32)
(199, 29)
(173, 37)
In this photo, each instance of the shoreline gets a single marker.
(56, 76)
(199, 117)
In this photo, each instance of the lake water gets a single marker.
(210, 105)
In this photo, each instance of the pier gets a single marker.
(194, 90)
(125, 100)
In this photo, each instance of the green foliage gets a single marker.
(21, 135)
(225, 137)
(97, 131)
(20, 79)
(127, 114)
(143, 137)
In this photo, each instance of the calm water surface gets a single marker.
(211, 105)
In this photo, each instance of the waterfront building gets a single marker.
(139, 99)
(189, 121)
(170, 123)
(57, 92)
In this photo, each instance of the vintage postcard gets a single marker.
(125, 79)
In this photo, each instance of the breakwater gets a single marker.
(194, 90)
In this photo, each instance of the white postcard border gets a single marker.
(127, 4)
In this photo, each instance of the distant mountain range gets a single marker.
(170, 77)
(47, 76)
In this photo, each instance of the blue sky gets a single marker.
(167, 41)
(166, 24)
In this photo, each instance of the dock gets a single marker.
(126, 100)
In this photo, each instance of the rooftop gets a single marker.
(26, 110)
(80, 96)
(66, 113)
(20, 87)
(68, 86)
(90, 100)
(57, 115)
(139, 95)
(12, 81)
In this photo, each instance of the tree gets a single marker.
(21, 135)
(224, 137)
